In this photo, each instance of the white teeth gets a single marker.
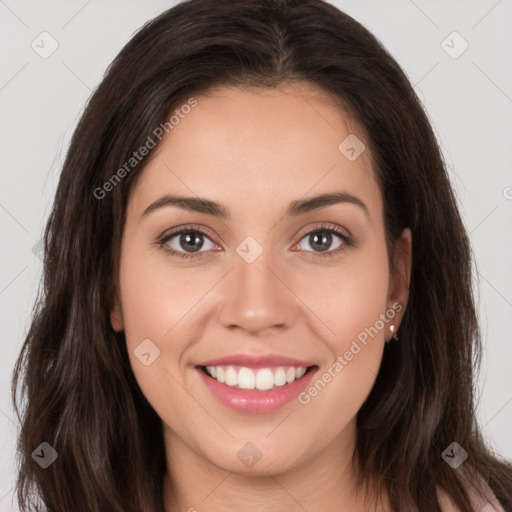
(280, 377)
(264, 379)
(246, 379)
(299, 372)
(261, 379)
(231, 377)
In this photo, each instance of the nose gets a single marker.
(256, 298)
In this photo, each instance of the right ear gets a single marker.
(116, 312)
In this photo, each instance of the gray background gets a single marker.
(468, 98)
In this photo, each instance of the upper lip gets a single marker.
(256, 361)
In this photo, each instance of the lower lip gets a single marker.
(254, 401)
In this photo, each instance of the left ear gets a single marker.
(401, 275)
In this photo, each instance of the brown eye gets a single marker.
(185, 242)
(191, 241)
(326, 241)
(322, 240)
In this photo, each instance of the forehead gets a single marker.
(260, 148)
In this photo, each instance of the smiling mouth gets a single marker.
(257, 379)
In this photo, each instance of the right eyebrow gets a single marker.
(194, 204)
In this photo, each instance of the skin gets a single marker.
(255, 152)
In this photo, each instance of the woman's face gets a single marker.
(264, 290)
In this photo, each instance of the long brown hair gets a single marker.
(78, 392)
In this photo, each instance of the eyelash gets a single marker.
(325, 228)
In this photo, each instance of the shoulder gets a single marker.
(487, 504)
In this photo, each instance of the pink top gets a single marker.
(490, 504)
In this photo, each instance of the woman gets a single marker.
(257, 284)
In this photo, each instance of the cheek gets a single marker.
(350, 297)
(147, 297)
(155, 303)
(156, 295)
(352, 303)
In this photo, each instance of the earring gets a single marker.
(395, 336)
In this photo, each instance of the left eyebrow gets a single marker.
(323, 201)
(296, 208)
